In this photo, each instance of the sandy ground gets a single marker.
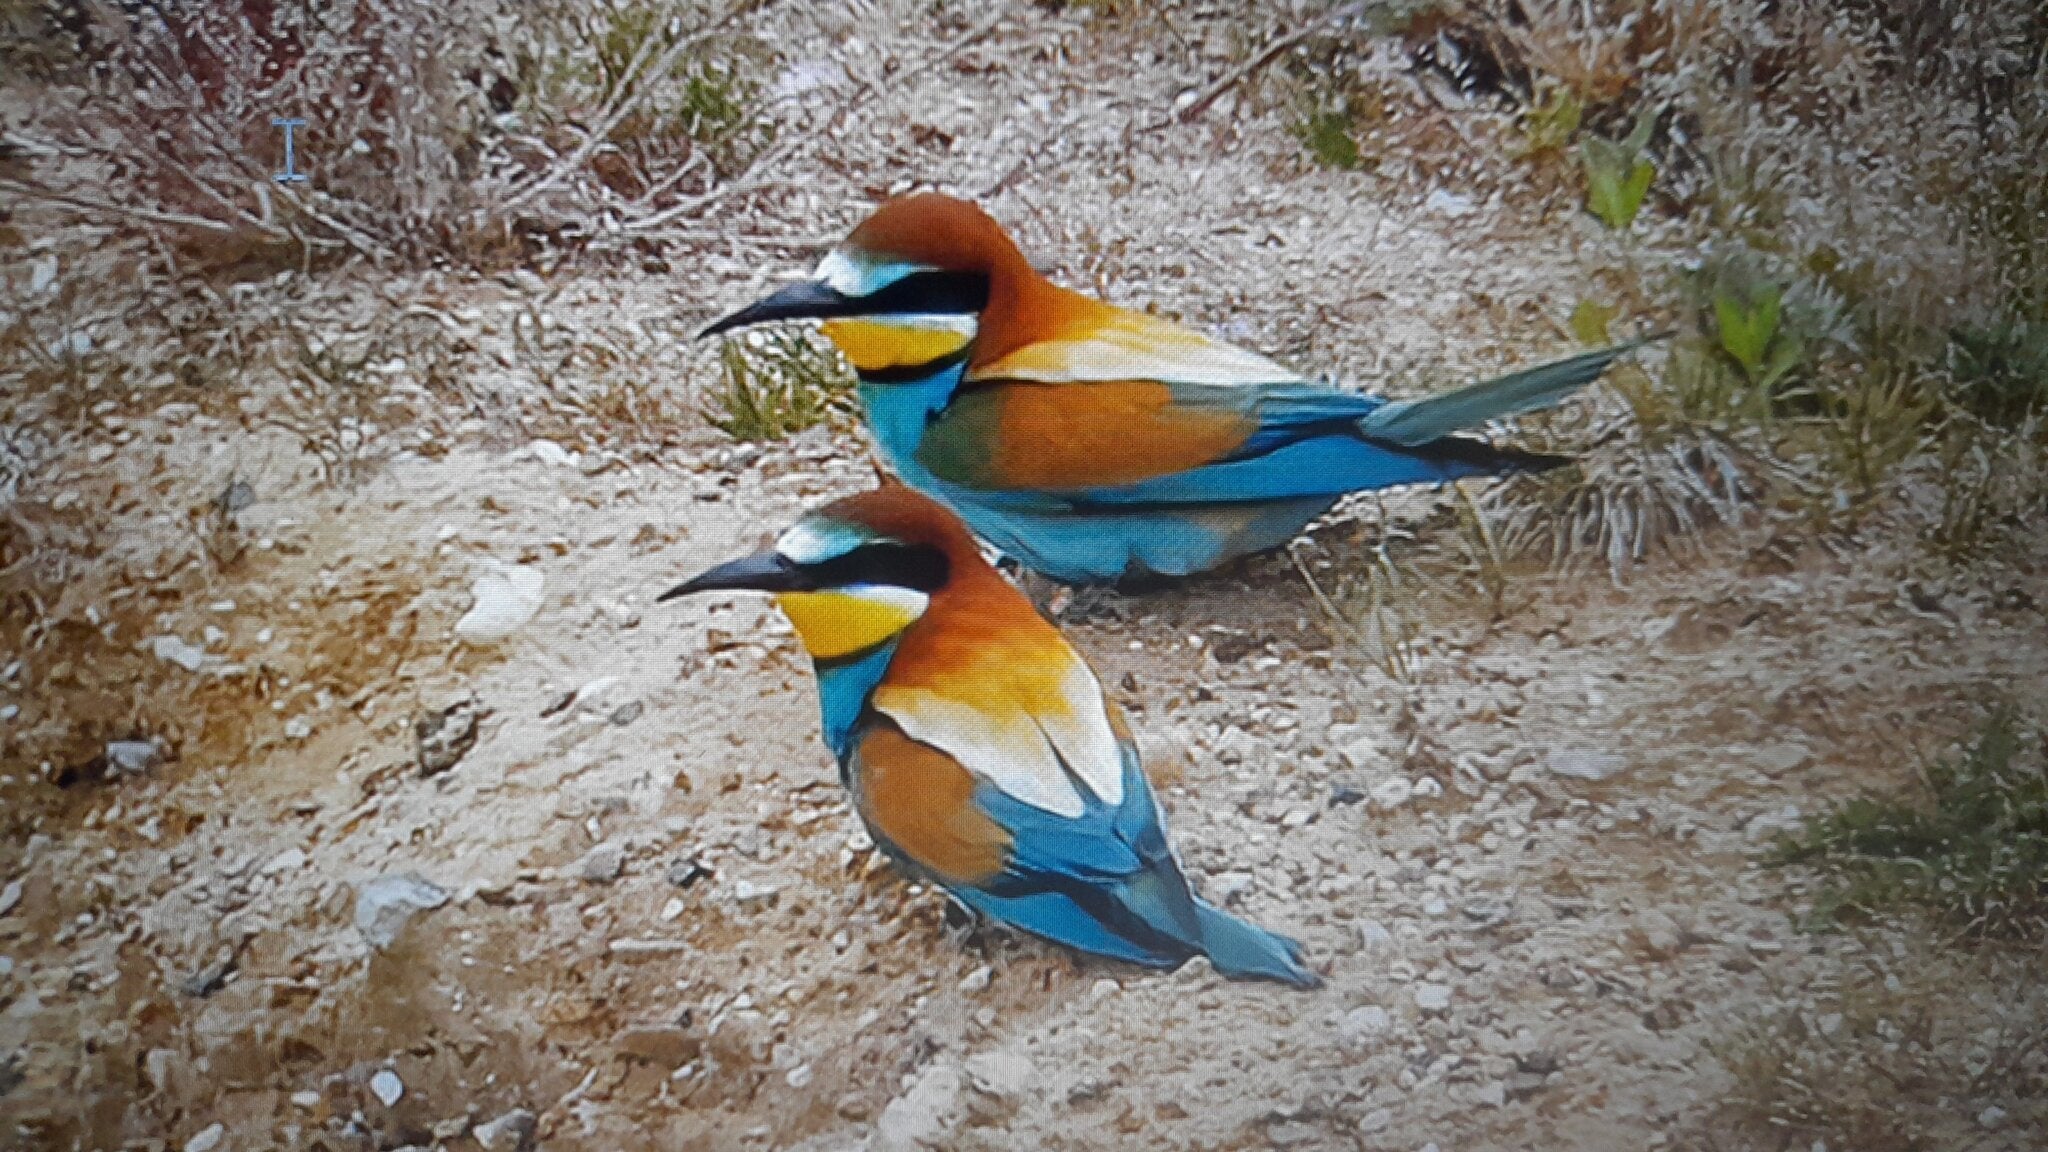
(1529, 867)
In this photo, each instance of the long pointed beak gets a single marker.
(762, 572)
(810, 300)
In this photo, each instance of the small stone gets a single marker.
(1433, 997)
(602, 864)
(798, 1077)
(289, 860)
(512, 1132)
(1362, 1024)
(386, 904)
(626, 713)
(307, 1100)
(1493, 1094)
(1376, 1120)
(10, 897)
(664, 1045)
(1991, 1117)
(1584, 764)
(977, 980)
(748, 892)
(208, 1138)
(686, 873)
(1393, 792)
(1778, 759)
(133, 756)
(387, 1087)
(172, 650)
(442, 738)
(672, 909)
(505, 597)
(1002, 1075)
(921, 1117)
(158, 1065)
(1374, 936)
(1785, 821)
(1656, 936)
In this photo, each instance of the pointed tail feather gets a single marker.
(1242, 951)
(1416, 422)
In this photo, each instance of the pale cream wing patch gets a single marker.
(1134, 346)
(1017, 745)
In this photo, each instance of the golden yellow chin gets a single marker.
(874, 346)
(840, 623)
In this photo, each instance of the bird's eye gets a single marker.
(931, 293)
(916, 566)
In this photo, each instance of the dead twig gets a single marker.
(1258, 63)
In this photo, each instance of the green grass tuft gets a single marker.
(1973, 850)
(776, 383)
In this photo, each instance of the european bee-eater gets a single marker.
(978, 745)
(1090, 442)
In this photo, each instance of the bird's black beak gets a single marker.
(810, 300)
(762, 572)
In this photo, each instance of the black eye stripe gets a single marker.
(940, 293)
(916, 566)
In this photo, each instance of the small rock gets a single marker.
(208, 1138)
(441, 739)
(671, 910)
(1493, 1094)
(512, 1132)
(977, 980)
(1374, 936)
(921, 1117)
(1376, 1120)
(386, 904)
(1991, 1117)
(10, 897)
(133, 756)
(626, 713)
(1002, 1075)
(664, 1045)
(506, 598)
(1785, 821)
(1393, 792)
(602, 864)
(387, 1087)
(748, 892)
(172, 650)
(799, 1076)
(1362, 1024)
(1583, 764)
(1432, 997)
(158, 1066)
(1778, 759)
(307, 1100)
(686, 873)
(289, 860)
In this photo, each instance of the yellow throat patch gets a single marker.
(876, 346)
(841, 622)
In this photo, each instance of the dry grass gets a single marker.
(1899, 1058)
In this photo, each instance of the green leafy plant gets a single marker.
(1549, 121)
(1618, 175)
(1749, 328)
(777, 383)
(1973, 850)
(2001, 372)
(1326, 133)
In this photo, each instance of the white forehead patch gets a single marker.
(816, 541)
(851, 276)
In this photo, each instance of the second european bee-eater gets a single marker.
(978, 745)
(1091, 442)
